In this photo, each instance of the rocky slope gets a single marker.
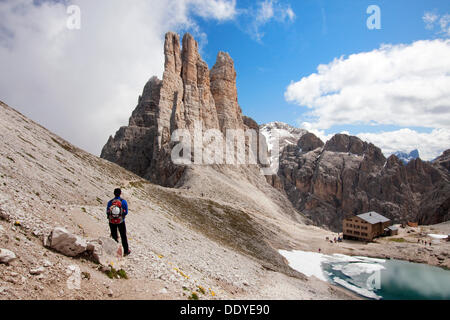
(349, 176)
(180, 240)
(189, 93)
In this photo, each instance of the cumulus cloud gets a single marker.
(430, 145)
(405, 85)
(83, 84)
(402, 85)
(215, 9)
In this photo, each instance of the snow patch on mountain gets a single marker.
(281, 132)
(407, 157)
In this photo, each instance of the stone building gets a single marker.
(365, 227)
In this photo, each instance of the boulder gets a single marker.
(37, 271)
(104, 251)
(6, 256)
(47, 263)
(66, 243)
(4, 215)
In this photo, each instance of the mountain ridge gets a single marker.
(349, 176)
(178, 238)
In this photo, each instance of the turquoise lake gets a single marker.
(397, 280)
(374, 278)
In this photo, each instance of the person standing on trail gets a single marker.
(116, 211)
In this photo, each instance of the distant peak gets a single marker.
(407, 157)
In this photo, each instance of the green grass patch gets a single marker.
(193, 296)
(83, 209)
(116, 274)
(122, 274)
(201, 290)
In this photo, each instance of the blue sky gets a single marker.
(321, 31)
(396, 96)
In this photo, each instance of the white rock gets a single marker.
(47, 263)
(37, 271)
(163, 291)
(66, 243)
(105, 250)
(6, 256)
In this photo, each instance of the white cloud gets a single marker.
(83, 84)
(220, 10)
(444, 23)
(433, 20)
(267, 11)
(430, 145)
(430, 18)
(404, 85)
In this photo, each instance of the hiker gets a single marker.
(116, 211)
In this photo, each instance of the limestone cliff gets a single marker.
(349, 176)
(188, 93)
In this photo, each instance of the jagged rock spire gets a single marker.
(185, 94)
(223, 88)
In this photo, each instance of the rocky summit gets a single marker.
(348, 176)
(188, 93)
